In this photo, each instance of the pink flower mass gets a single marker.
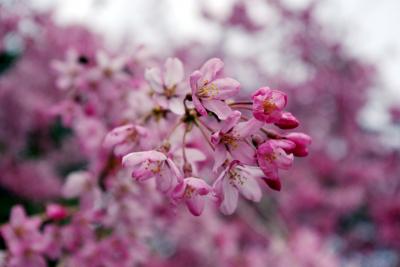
(235, 152)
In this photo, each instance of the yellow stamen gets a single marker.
(208, 90)
(268, 106)
(230, 140)
(235, 177)
(170, 92)
(270, 157)
(189, 191)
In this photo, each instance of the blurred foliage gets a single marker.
(37, 139)
(7, 60)
(58, 132)
(8, 200)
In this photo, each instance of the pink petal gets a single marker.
(164, 180)
(142, 173)
(211, 69)
(195, 154)
(219, 156)
(102, 59)
(135, 158)
(247, 128)
(249, 187)
(220, 108)
(173, 72)
(179, 190)
(118, 135)
(195, 204)
(230, 201)
(227, 87)
(117, 64)
(243, 152)
(231, 121)
(279, 98)
(75, 184)
(176, 106)
(194, 78)
(200, 185)
(18, 215)
(124, 148)
(174, 170)
(153, 77)
(286, 145)
(283, 160)
(217, 185)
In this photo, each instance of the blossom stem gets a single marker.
(173, 130)
(239, 106)
(244, 103)
(198, 124)
(184, 145)
(271, 134)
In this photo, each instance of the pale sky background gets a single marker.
(370, 28)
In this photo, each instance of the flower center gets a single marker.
(270, 157)
(208, 90)
(170, 92)
(133, 137)
(230, 140)
(19, 231)
(236, 178)
(189, 191)
(153, 166)
(108, 72)
(268, 106)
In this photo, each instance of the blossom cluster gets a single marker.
(105, 154)
(201, 117)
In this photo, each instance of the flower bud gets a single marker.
(287, 121)
(302, 142)
(56, 212)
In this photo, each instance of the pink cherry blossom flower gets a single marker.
(148, 164)
(193, 192)
(268, 104)
(237, 178)
(82, 184)
(28, 259)
(108, 68)
(125, 138)
(23, 239)
(302, 142)
(287, 121)
(272, 156)
(70, 71)
(88, 126)
(56, 212)
(231, 139)
(209, 89)
(53, 239)
(167, 85)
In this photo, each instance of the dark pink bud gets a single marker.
(302, 142)
(287, 121)
(56, 212)
(268, 104)
(274, 184)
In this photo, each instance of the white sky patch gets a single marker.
(370, 27)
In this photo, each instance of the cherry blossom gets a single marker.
(210, 89)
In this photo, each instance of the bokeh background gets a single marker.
(338, 60)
